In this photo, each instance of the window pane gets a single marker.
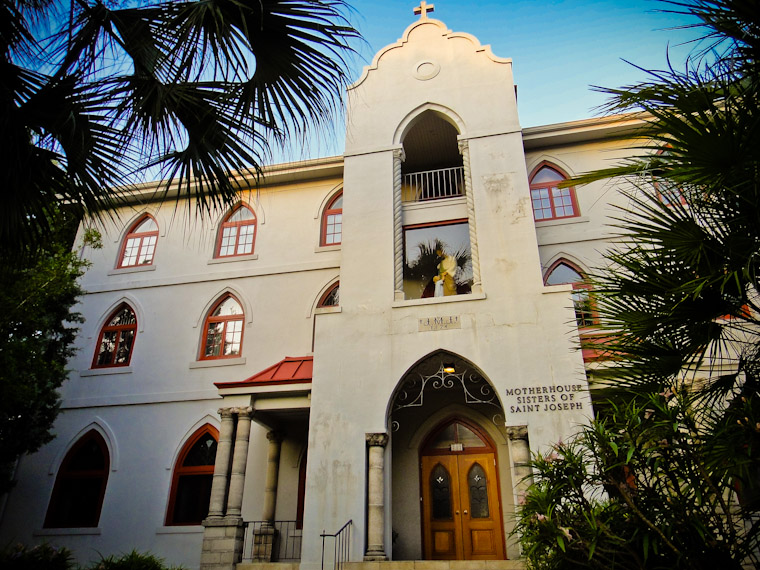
(476, 481)
(147, 249)
(229, 236)
(192, 499)
(468, 438)
(228, 307)
(232, 337)
(88, 457)
(147, 225)
(332, 299)
(124, 349)
(107, 347)
(203, 452)
(337, 204)
(241, 215)
(124, 317)
(214, 339)
(245, 239)
(130, 251)
(563, 274)
(435, 251)
(440, 493)
(546, 175)
(333, 228)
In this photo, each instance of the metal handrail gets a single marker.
(433, 184)
(272, 541)
(341, 546)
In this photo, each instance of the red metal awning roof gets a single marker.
(290, 370)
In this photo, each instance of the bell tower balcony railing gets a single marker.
(433, 184)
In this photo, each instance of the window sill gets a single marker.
(326, 310)
(180, 529)
(106, 371)
(233, 258)
(132, 269)
(321, 248)
(438, 300)
(214, 362)
(561, 221)
(66, 531)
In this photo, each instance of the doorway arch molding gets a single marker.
(453, 411)
(428, 374)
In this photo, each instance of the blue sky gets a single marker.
(559, 48)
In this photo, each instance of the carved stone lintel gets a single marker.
(517, 432)
(377, 439)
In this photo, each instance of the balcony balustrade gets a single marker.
(433, 184)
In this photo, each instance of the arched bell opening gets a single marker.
(446, 414)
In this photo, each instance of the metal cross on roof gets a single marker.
(423, 9)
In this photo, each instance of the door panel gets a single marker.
(471, 530)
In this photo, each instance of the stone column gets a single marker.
(464, 150)
(376, 443)
(239, 462)
(265, 537)
(273, 470)
(520, 453)
(222, 464)
(398, 226)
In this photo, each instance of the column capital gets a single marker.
(377, 439)
(225, 412)
(275, 436)
(517, 432)
(243, 411)
(399, 154)
(463, 145)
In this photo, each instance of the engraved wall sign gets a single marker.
(439, 323)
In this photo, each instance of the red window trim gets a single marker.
(118, 329)
(326, 294)
(576, 286)
(66, 474)
(328, 211)
(142, 235)
(180, 470)
(573, 197)
(237, 225)
(210, 319)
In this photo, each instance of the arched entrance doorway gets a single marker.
(445, 412)
(461, 507)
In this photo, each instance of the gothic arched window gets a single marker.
(563, 271)
(237, 233)
(223, 329)
(191, 481)
(80, 485)
(332, 222)
(139, 244)
(117, 338)
(549, 201)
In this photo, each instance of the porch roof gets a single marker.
(289, 370)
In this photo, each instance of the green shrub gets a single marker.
(40, 557)
(132, 561)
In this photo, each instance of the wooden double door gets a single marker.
(461, 514)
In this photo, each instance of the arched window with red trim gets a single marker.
(191, 480)
(549, 201)
(139, 244)
(237, 233)
(563, 271)
(80, 485)
(117, 339)
(331, 298)
(223, 329)
(332, 222)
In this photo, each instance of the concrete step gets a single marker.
(438, 565)
(268, 566)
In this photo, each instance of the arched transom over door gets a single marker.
(461, 510)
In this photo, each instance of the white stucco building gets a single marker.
(294, 364)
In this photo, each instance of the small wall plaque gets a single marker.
(439, 323)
